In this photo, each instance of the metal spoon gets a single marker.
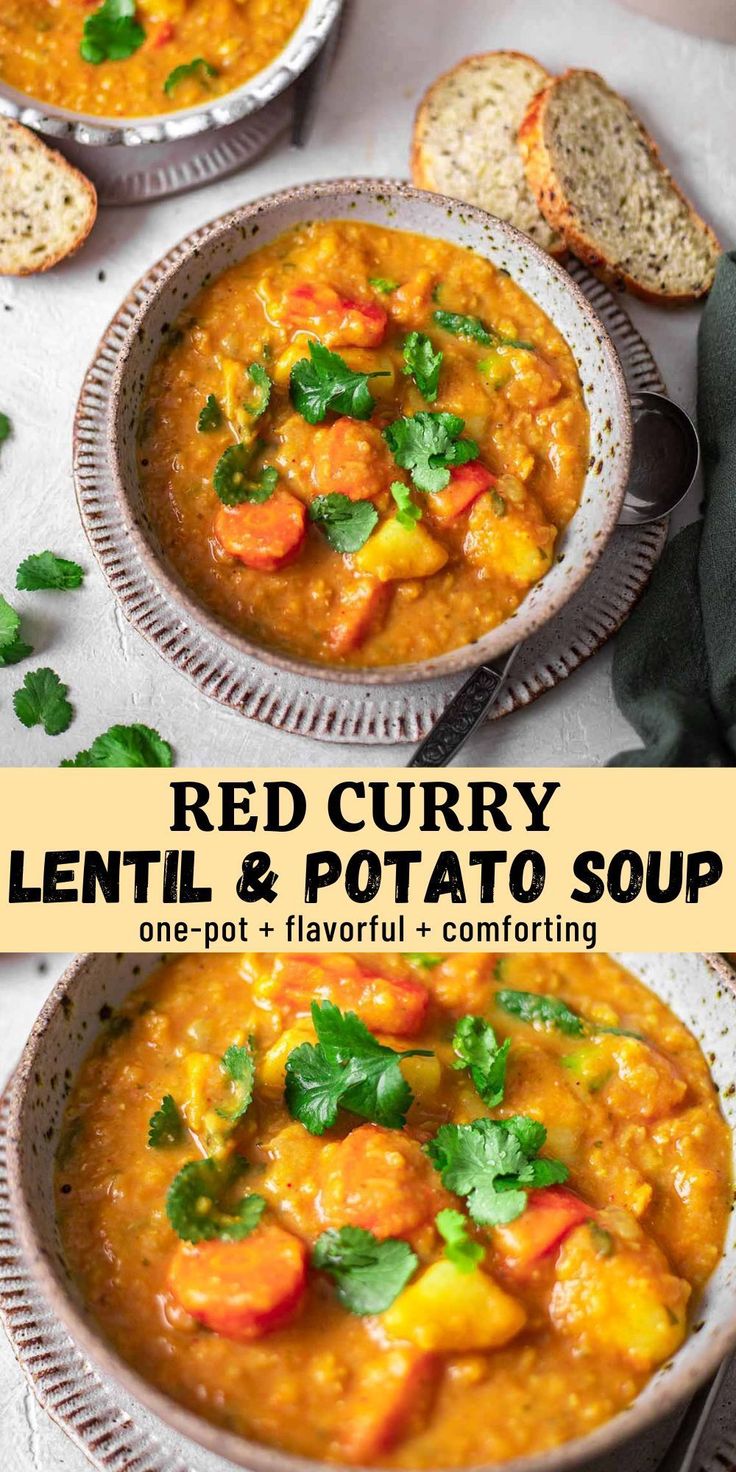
(665, 462)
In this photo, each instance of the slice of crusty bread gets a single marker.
(47, 208)
(599, 180)
(465, 138)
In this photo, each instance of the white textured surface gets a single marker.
(684, 88)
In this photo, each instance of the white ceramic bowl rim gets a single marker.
(571, 1456)
(166, 127)
(538, 606)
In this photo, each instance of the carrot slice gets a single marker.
(351, 458)
(360, 609)
(393, 1395)
(395, 1005)
(467, 482)
(266, 535)
(378, 1179)
(549, 1216)
(241, 1289)
(339, 321)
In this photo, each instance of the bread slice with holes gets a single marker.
(465, 138)
(47, 208)
(598, 178)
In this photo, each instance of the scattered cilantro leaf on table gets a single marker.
(111, 33)
(422, 363)
(41, 701)
(460, 1249)
(233, 481)
(12, 647)
(368, 1274)
(192, 1205)
(493, 1163)
(5, 427)
(346, 524)
(549, 1011)
(427, 445)
(323, 382)
(238, 1064)
(476, 1047)
(165, 1125)
(44, 570)
(347, 1068)
(125, 746)
(383, 284)
(407, 511)
(210, 415)
(198, 68)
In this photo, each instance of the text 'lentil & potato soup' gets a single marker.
(359, 446)
(415, 1211)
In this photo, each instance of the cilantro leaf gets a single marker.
(5, 427)
(346, 524)
(462, 1251)
(198, 69)
(534, 1008)
(476, 1047)
(192, 1205)
(422, 363)
(427, 445)
(210, 415)
(368, 1274)
(165, 1125)
(494, 1163)
(346, 1069)
(408, 513)
(234, 483)
(12, 647)
(473, 328)
(238, 1064)
(124, 746)
(111, 33)
(424, 959)
(263, 386)
(324, 381)
(45, 570)
(383, 284)
(41, 701)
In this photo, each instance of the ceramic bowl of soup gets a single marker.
(506, 1238)
(167, 71)
(360, 431)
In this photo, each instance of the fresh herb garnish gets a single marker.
(462, 1251)
(427, 445)
(41, 701)
(549, 1011)
(477, 1049)
(422, 363)
(12, 647)
(111, 33)
(324, 381)
(368, 1274)
(262, 396)
(238, 1064)
(346, 1069)
(210, 415)
(165, 1126)
(473, 328)
(233, 482)
(383, 284)
(494, 1163)
(346, 524)
(198, 68)
(125, 746)
(5, 427)
(407, 512)
(45, 570)
(424, 958)
(192, 1205)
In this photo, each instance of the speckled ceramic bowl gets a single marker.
(228, 240)
(700, 989)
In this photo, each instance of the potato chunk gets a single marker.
(516, 545)
(396, 551)
(453, 1312)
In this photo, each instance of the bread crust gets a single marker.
(9, 130)
(558, 209)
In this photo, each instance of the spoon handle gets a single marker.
(465, 711)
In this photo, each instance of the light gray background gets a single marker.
(684, 89)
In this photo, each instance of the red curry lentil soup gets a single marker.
(40, 55)
(410, 592)
(575, 1302)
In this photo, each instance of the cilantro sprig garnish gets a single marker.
(12, 647)
(476, 1047)
(41, 701)
(44, 570)
(346, 524)
(233, 481)
(427, 445)
(199, 69)
(494, 1163)
(347, 1068)
(238, 1065)
(165, 1127)
(460, 1249)
(473, 328)
(323, 382)
(407, 511)
(422, 363)
(210, 415)
(125, 746)
(194, 1210)
(534, 1008)
(111, 33)
(368, 1274)
(383, 284)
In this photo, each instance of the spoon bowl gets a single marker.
(665, 460)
